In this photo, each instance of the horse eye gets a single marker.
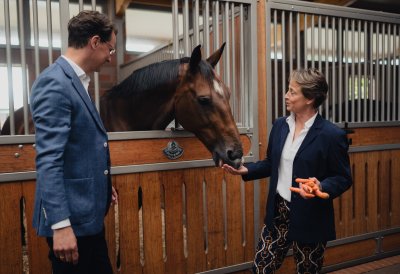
(203, 100)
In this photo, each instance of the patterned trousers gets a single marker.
(273, 246)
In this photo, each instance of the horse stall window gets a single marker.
(357, 51)
(30, 40)
(194, 23)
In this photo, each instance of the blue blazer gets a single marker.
(324, 155)
(72, 157)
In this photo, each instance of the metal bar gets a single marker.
(175, 29)
(49, 31)
(334, 48)
(275, 98)
(216, 30)
(366, 85)
(346, 70)
(283, 48)
(377, 29)
(93, 4)
(312, 41)
(298, 39)
(340, 62)
(382, 91)
(9, 67)
(326, 59)
(206, 27)
(23, 64)
(360, 95)
(36, 36)
(196, 29)
(64, 18)
(185, 11)
(388, 80)
(80, 5)
(353, 58)
(233, 66)
(319, 44)
(371, 70)
(394, 74)
(305, 42)
(225, 30)
(244, 94)
(291, 41)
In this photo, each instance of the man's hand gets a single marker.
(65, 246)
(114, 196)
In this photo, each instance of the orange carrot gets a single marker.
(314, 187)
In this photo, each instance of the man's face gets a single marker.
(104, 52)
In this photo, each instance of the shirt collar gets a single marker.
(291, 120)
(78, 70)
(85, 79)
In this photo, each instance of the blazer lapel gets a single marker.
(283, 135)
(312, 133)
(76, 82)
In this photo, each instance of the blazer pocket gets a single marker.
(80, 195)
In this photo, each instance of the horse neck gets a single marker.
(152, 110)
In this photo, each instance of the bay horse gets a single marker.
(187, 90)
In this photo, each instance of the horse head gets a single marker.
(202, 107)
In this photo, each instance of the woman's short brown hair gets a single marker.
(313, 84)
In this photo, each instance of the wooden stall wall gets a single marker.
(198, 219)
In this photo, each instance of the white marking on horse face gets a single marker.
(218, 88)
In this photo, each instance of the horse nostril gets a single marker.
(234, 154)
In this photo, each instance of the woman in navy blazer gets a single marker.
(73, 184)
(302, 145)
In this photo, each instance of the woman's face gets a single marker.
(295, 100)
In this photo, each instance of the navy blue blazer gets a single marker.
(324, 155)
(72, 156)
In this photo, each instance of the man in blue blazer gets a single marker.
(302, 145)
(73, 185)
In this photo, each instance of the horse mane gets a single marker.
(146, 78)
(152, 76)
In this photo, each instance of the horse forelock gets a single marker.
(206, 71)
(147, 78)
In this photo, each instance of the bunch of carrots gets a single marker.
(310, 187)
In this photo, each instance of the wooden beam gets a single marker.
(121, 6)
(343, 3)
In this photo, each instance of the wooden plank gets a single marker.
(215, 219)
(391, 242)
(375, 136)
(37, 246)
(10, 220)
(172, 182)
(348, 252)
(235, 229)
(121, 6)
(128, 212)
(395, 189)
(109, 223)
(10, 163)
(372, 191)
(249, 221)
(152, 223)
(359, 192)
(125, 152)
(384, 190)
(196, 254)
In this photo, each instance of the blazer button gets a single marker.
(105, 144)
(106, 172)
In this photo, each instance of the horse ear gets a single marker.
(195, 58)
(214, 58)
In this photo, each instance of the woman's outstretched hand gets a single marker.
(242, 170)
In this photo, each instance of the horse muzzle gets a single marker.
(233, 158)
